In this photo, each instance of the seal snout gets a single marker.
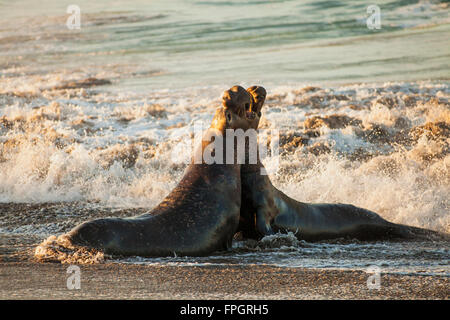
(238, 100)
(258, 95)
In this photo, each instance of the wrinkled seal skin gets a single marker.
(198, 217)
(266, 210)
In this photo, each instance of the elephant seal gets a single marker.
(266, 210)
(198, 217)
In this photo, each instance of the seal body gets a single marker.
(266, 210)
(273, 211)
(198, 217)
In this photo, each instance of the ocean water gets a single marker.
(147, 45)
(97, 121)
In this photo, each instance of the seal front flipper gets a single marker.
(264, 227)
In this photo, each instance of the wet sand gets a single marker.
(29, 280)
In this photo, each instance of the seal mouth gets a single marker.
(250, 115)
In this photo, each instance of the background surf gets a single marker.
(97, 121)
(145, 45)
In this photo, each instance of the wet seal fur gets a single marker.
(198, 217)
(266, 210)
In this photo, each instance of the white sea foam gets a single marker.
(119, 150)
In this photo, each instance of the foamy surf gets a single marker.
(285, 250)
(384, 147)
(60, 249)
(75, 154)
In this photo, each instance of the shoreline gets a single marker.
(36, 281)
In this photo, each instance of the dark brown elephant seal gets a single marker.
(266, 210)
(198, 217)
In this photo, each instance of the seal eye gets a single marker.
(259, 114)
(228, 117)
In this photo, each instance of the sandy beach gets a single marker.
(27, 280)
